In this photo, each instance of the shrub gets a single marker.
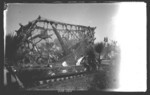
(99, 48)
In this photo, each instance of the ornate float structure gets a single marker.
(56, 46)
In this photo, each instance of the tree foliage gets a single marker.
(99, 48)
(12, 45)
(91, 57)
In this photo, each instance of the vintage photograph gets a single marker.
(75, 47)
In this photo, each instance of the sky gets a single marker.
(95, 15)
(124, 22)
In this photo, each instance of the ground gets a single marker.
(103, 79)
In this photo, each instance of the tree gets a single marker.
(99, 48)
(12, 45)
(91, 57)
(16, 50)
(65, 49)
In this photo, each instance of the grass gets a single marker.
(106, 78)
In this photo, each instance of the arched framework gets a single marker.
(49, 41)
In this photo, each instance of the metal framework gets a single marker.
(49, 41)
